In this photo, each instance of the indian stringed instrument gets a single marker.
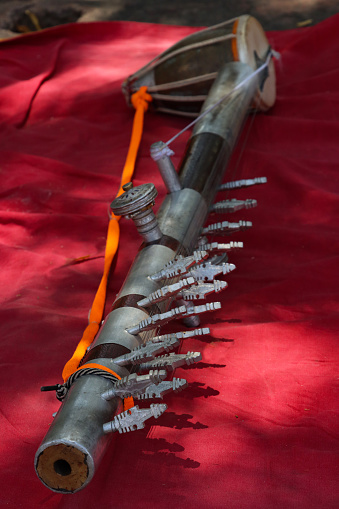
(217, 75)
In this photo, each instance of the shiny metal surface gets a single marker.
(157, 320)
(136, 203)
(179, 266)
(159, 391)
(133, 419)
(228, 122)
(149, 260)
(228, 206)
(134, 385)
(149, 350)
(79, 426)
(114, 327)
(180, 214)
(134, 199)
(207, 271)
(215, 246)
(237, 184)
(171, 361)
(226, 228)
(167, 291)
(202, 290)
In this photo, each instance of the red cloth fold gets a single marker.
(258, 425)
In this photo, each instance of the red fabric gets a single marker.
(258, 427)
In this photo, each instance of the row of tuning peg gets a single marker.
(153, 384)
(233, 205)
(194, 279)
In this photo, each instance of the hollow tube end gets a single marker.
(64, 468)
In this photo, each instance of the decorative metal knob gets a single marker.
(136, 203)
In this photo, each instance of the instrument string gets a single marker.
(223, 98)
(236, 165)
(255, 111)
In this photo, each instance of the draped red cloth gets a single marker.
(258, 425)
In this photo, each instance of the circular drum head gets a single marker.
(252, 48)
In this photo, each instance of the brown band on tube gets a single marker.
(165, 240)
(131, 300)
(105, 351)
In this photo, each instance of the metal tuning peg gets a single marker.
(156, 320)
(215, 247)
(202, 308)
(134, 384)
(161, 153)
(191, 333)
(166, 291)
(136, 203)
(180, 265)
(174, 338)
(237, 184)
(202, 290)
(159, 391)
(171, 361)
(226, 228)
(133, 419)
(160, 319)
(149, 350)
(208, 271)
(157, 345)
(227, 206)
(190, 318)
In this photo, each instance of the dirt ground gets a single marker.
(19, 16)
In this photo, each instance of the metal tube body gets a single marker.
(70, 453)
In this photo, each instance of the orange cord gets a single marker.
(140, 100)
